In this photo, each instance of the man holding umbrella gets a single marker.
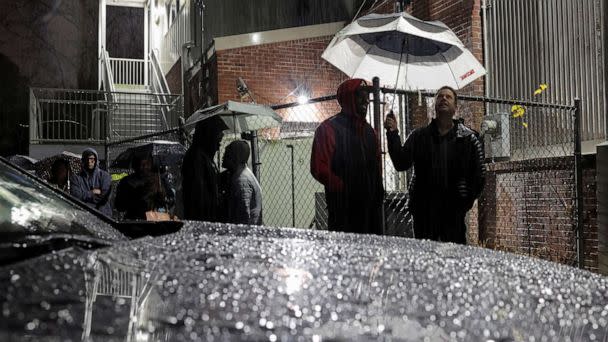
(346, 160)
(200, 174)
(448, 170)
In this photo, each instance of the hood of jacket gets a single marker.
(85, 156)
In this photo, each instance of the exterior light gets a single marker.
(302, 99)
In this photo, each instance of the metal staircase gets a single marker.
(141, 102)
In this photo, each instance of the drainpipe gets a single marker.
(484, 9)
(101, 40)
(185, 66)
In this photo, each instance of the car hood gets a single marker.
(226, 282)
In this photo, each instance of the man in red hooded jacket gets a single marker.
(346, 160)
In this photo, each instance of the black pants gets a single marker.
(440, 226)
(353, 214)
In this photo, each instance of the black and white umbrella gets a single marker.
(403, 51)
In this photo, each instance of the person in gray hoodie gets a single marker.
(244, 195)
(92, 185)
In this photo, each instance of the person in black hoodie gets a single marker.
(448, 170)
(346, 160)
(146, 189)
(200, 174)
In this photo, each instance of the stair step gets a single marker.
(135, 88)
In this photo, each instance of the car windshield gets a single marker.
(28, 207)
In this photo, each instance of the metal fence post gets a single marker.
(293, 190)
(580, 248)
(255, 155)
(377, 121)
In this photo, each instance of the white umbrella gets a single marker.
(238, 116)
(403, 51)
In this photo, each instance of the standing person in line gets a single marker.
(60, 175)
(448, 170)
(144, 190)
(244, 195)
(346, 160)
(200, 175)
(92, 185)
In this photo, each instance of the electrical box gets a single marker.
(495, 130)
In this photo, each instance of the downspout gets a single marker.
(101, 40)
(484, 9)
(185, 66)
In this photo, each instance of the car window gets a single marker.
(28, 207)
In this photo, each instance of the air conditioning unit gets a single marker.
(495, 129)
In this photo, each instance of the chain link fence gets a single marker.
(528, 206)
(292, 197)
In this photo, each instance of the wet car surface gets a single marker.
(224, 282)
(69, 274)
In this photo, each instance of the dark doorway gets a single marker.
(125, 32)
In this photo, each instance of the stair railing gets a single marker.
(159, 86)
(108, 86)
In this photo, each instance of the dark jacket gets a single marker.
(448, 175)
(135, 195)
(82, 184)
(200, 186)
(346, 160)
(244, 198)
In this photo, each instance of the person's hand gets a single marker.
(96, 191)
(390, 123)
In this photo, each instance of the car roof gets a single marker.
(229, 282)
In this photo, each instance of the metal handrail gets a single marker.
(159, 84)
(54, 113)
(128, 70)
(88, 91)
(108, 78)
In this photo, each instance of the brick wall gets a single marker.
(528, 207)
(273, 71)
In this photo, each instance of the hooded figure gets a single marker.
(92, 185)
(244, 195)
(144, 190)
(200, 175)
(346, 160)
(60, 175)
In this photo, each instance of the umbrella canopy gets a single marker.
(404, 52)
(43, 166)
(163, 153)
(24, 162)
(238, 116)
